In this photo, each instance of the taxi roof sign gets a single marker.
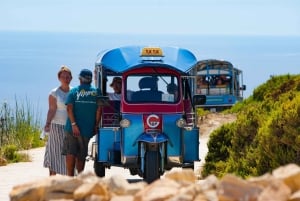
(152, 52)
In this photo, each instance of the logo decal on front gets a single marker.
(153, 121)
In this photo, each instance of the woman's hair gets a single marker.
(64, 68)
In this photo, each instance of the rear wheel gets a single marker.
(189, 166)
(99, 168)
(152, 163)
(133, 171)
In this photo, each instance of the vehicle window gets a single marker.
(152, 88)
(217, 84)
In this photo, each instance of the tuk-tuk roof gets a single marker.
(213, 63)
(129, 57)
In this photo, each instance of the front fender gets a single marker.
(152, 138)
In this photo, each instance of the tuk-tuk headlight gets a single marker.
(181, 123)
(124, 123)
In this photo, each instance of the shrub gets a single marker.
(265, 134)
(218, 145)
(11, 154)
(20, 129)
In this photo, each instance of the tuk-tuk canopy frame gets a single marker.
(130, 57)
(213, 64)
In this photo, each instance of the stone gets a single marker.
(234, 188)
(184, 175)
(133, 188)
(281, 185)
(276, 191)
(290, 174)
(61, 183)
(87, 189)
(158, 190)
(263, 180)
(210, 195)
(94, 198)
(118, 184)
(27, 191)
(122, 198)
(295, 196)
(210, 182)
(181, 197)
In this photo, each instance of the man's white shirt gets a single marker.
(114, 96)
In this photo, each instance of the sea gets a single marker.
(29, 61)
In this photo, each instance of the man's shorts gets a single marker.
(77, 146)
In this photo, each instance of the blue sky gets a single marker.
(208, 17)
(236, 17)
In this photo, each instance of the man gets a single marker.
(83, 121)
(173, 89)
(116, 84)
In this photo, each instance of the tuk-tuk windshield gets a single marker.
(152, 88)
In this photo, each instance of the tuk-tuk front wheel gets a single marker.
(99, 169)
(152, 164)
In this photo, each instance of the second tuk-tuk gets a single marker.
(152, 128)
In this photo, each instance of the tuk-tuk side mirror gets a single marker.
(243, 87)
(199, 99)
(102, 101)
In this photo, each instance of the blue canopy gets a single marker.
(124, 58)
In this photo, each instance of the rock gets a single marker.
(275, 191)
(27, 191)
(118, 184)
(122, 198)
(61, 187)
(209, 183)
(290, 174)
(263, 180)
(187, 175)
(88, 189)
(281, 185)
(234, 188)
(295, 196)
(158, 190)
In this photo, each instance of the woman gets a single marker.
(56, 119)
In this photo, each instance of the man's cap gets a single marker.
(116, 80)
(86, 74)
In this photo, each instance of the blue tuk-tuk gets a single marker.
(220, 82)
(152, 127)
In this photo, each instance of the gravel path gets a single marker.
(18, 173)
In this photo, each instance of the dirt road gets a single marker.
(19, 173)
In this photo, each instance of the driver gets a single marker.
(173, 89)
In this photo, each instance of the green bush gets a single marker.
(11, 154)
(265, 134)
(9, 151)
(219, 145)
(20, 130)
